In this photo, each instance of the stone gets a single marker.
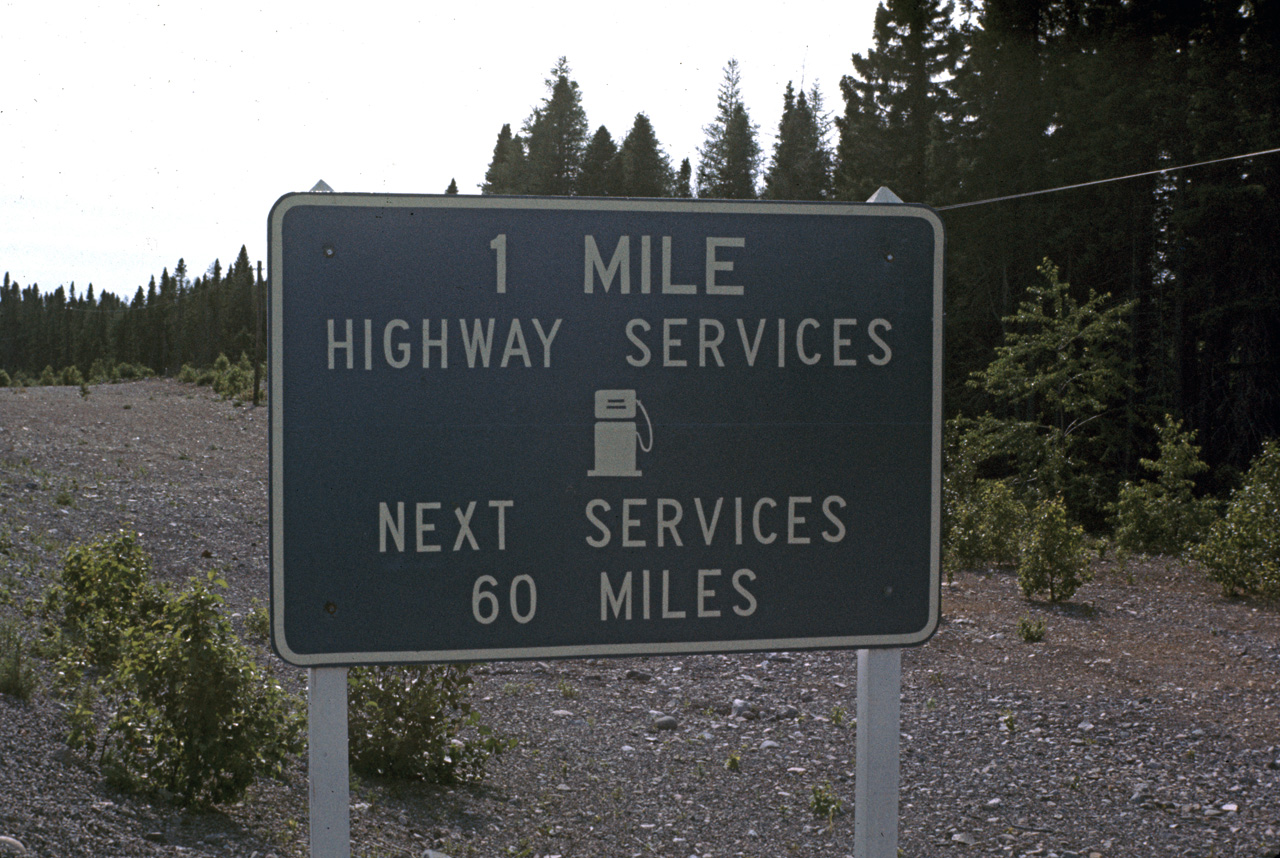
(769, 743)
(966, 839)
(637, 675)
(666, 722)
(11, 845)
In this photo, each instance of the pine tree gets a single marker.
(684, 181)
(730, 157)
(557, 135)
(646, 169)
(801, 166)
(898, 102)
(507, 170)
(453, 187)
(601, 171)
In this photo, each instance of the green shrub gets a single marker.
(195, 717)
(234, 381)
(1242, 551)
(71, 376)
(984, 526)
(103, 589)
(188, 374)
(5, 381)
(127, 371)
(409, 722)
(206, 377)
(100, 371)
(257, 622)
(1031, 631)
(17, 677)
(824, 803)
(48, 378)
(1055, 558)
(1162, 516)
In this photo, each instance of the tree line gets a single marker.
(954, 107)
(177, 321)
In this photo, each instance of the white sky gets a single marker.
(135, 133)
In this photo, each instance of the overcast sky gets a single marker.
(133, 134)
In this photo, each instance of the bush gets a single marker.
(133, 371)
(48, 378)
(1242, 551)
(1031, 631)
(100, 371)
(71, 376)
(195, 716)
(5, 381)
(188, 374)
(1055, 559)
(984, 526)
(408, 722)
(104, 588)
(824, 803)
(17, 677)
(1163, 516)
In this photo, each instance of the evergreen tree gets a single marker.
(453, 187)
(684, 181)
(646, 169)
(801, 166)
(898, 102)
(601, 171)
(730, 156)
(507, 170)
(557, 135)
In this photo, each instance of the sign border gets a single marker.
(277, 284)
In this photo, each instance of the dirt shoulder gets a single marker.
(1146, 723)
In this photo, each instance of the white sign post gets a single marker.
(327, 762)
(876, 772)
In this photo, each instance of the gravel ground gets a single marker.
(1146, 723)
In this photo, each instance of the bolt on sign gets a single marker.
(526, 427)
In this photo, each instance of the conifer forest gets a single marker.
(1082, 316)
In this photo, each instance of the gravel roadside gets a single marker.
(1146, 723)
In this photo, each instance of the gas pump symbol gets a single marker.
(616, 434)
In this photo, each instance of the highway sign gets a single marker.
(532, 427)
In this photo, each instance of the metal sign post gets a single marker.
(877, 776)
(328, 764)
